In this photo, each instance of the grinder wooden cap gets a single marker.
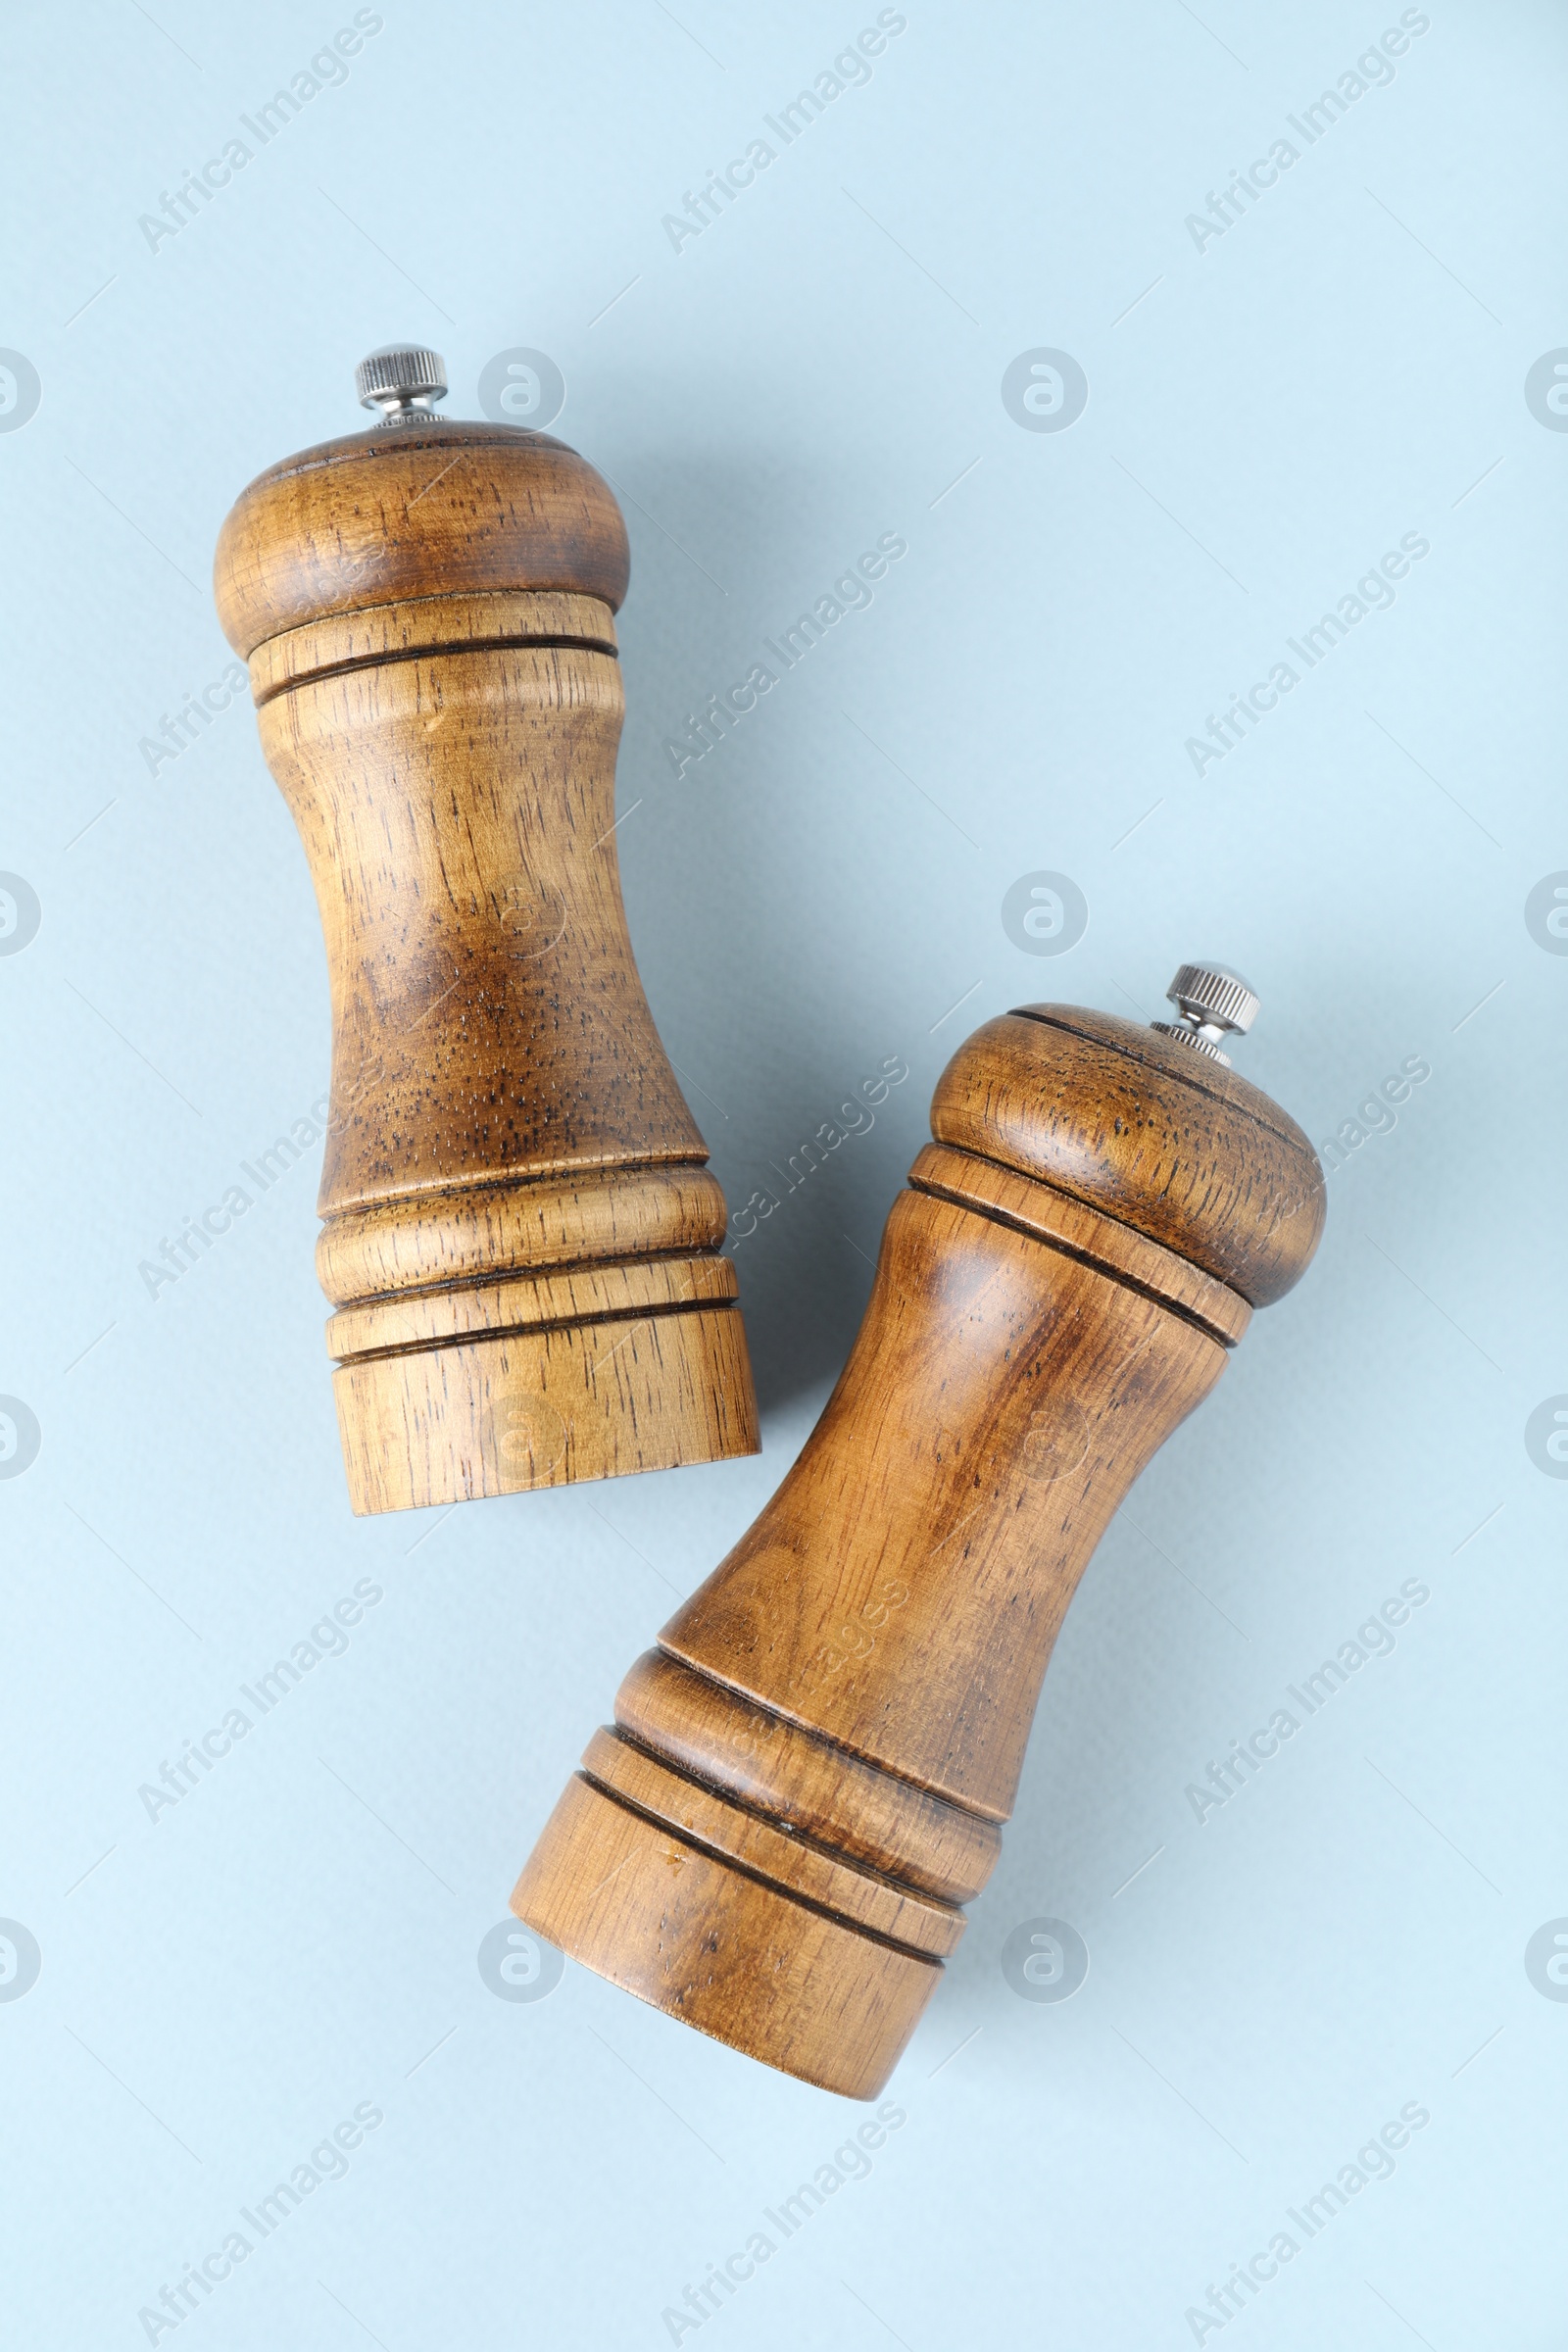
(445, 509)
(1136, 1124)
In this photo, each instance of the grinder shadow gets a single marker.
(728, 868)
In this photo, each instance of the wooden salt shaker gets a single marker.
(807, 1776)
(520, 1234)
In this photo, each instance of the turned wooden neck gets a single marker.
(457, 805)
(1020, 1361)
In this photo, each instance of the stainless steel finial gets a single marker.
(404, 380)
(1213, 1004)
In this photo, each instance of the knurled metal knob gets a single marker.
(404, 380)
(1213, 1004)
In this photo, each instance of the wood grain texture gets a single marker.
(380, 516)
(902, 1915)
(1149, 1131)
(997, 1403)
(461, 1233)
(544, 1405)
(426, 624)
(804, 1783)
(736, 1956)
(428, 621)
(862, 1672)
(1078, 1231)
(458, 811)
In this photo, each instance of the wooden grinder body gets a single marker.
(807, 1776)
(522, 1237)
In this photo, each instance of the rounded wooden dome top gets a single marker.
(389, 515)
(1146, 1129)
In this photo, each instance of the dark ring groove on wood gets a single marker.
(1227, 1333)
(1153, 1052)
(990, 1815)
(724, 1738)
(587, 1262)
(753, 1837)
(758, 1877)
(464, 1190)
(1081, 1257)
(541, 642)
(515, 1330)
(1145, 1131)
(800, 1839)
(986, 1816)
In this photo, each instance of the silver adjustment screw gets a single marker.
(1213, 1004)
(404, 380)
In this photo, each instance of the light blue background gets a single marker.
(1266, 417)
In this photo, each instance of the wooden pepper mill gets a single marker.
(807, 1776)
(521, 1237)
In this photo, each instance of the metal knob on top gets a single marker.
(1213, 1004)
(404, 380)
